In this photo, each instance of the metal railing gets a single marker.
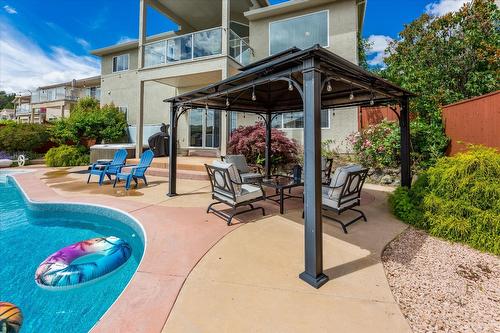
(193, 46)
(64, 93)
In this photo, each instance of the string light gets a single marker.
(290, 87)
(371, 100)
(351, 95)
(329, 86)
(254, 98)
(227, 101)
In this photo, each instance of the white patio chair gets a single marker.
(228, 189)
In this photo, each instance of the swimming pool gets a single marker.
(30, 232)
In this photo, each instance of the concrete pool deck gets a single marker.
(199, 275)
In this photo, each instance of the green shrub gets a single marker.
(458, 199)
(23, 137)
(89, 121)
(66, 156)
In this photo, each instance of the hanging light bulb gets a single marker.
(371, 100)
(329, 87)
(254, 98)
(227, 101)
(206, 109)
(351, 96)
(290, 86)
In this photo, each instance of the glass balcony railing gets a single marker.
(239, 49)
(64, 93)
(193, 46)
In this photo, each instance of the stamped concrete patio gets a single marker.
(198, 275)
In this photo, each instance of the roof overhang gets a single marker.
(86, 82)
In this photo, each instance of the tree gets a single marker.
(363, 47)
(447, 59)
(6, 100)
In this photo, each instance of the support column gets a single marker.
(268, 144)
(226, 19)
(313, 273)
(172, 159)
(142, 31)
(404, 124)
(62, 111)
(140, 122)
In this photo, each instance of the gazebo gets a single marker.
(298, 80)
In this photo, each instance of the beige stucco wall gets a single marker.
(107, 61)
(343, 121)
(343, 26)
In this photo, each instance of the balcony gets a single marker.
(64, 93)
(194, 46)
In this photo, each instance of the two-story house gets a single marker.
(215, 38)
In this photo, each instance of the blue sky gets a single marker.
(48, 41)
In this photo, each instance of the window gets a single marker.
(301, 31)
(295, 120)
(120, 63)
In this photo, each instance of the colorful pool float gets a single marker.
(11, 318)
(57, 271)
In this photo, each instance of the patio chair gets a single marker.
(248, 173)
(228, 189)
(344, 193)
(108, 169)
(138, 171)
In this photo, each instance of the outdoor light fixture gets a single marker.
(329, 87)
(227, 101)
(290, 87)
(371, 100)
(254, 98)
(351, 95)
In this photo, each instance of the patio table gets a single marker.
(281, 183)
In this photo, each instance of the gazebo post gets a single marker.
(172, 159)
(313, 230)
(268, 144)
(404, 124)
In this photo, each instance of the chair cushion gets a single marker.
(239, 161)
(251, 176)
(248, 192)
(339, 178)
(334, 202)
(233, 174)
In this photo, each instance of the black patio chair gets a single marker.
(344, 193)
(228, 189)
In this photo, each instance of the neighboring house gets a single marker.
(215, 39)
(55, 101)
(7, 114)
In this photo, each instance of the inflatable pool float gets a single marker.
(57, 271)
(11, 318)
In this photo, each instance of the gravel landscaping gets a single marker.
(443, 287)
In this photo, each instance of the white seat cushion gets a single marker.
(233, 174)
(248, 192)
(339, 178)
(334, 202)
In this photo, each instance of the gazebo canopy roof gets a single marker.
(274, 84)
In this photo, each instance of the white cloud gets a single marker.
(9, 9)
(83, 43)
(377, 52)
(443, 7)
(24, 65)
(125, 39)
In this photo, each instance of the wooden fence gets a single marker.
(473, 121)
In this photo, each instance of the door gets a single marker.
(204, 128)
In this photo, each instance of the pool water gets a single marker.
(29, 233)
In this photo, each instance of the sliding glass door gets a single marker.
(204, 128)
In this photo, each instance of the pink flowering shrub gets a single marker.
(250, 141)
(378, 145)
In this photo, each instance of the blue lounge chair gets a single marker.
(114, 167)
(138, 171)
